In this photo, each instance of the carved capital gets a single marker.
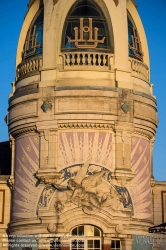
(10, 183)
(122, 177)
(49, 176)
(152, 182)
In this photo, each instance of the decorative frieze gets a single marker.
(86, 104)
(85, 125)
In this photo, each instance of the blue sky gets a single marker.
(153, 15)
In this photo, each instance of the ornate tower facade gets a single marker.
(82, 120)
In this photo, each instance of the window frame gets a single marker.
(101, 47)
(137, 52)
(26, 54)
(85, 238)
(116, 248)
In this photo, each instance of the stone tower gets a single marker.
(82, 121)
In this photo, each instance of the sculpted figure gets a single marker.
(91, 192)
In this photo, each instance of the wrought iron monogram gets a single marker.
(93, 42)
(31, 43)
(136, 45)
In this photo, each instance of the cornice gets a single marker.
(21, 131)
(144, 132)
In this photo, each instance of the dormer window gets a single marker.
(85, 28)
(134, 42)
(33, 46)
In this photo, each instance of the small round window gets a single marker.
(85, 28)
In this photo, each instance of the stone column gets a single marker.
(123, 173)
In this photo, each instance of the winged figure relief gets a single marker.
(92, 192)
(90, 188)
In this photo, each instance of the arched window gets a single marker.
(33, 45)
(85, 28)
(86, 237)
(135, 48)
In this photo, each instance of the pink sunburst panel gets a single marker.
(141, 190)
(77, 147)
(25, 189)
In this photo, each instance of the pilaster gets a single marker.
(127, 244)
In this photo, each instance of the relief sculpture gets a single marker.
(87, 186)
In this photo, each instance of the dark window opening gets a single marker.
(134, 42)
(85, 29)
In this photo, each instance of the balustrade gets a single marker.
(29, 66)
(140, 68)
(86, 59)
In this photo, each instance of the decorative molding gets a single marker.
(51, 227)
(150, 97)
(122, 177)
(27, 92)
(125, 107)
(22, 131)
(110, 89)
(85, 125)
(86, 104)
(46, 106)
(2, 205)
(49, 177)
(145, 111)
(143, 132)
(23, 110)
